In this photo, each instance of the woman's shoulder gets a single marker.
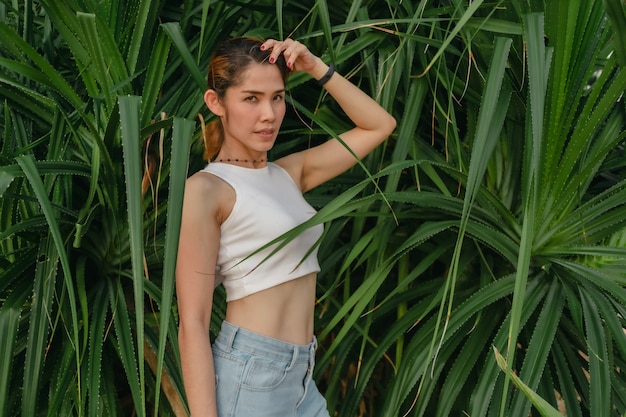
(209, 194)
(203, 181)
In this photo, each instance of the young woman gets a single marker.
(261, 362)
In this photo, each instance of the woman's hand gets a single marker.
(297, 56)
(372, 123)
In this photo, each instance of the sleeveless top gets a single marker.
(268, 204)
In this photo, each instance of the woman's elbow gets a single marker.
(384, 127)
(191, 328)
(388, 125)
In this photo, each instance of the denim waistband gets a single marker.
(234, 337)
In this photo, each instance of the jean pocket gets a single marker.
(264, 375)
(229, 367)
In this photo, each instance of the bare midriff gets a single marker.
(284, 312)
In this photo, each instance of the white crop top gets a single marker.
(268, 204)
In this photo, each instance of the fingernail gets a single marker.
(262, 47)
(272, 59)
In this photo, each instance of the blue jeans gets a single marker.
(258, 376)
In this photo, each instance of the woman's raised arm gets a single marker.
(373, 124)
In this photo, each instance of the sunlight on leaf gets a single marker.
(5, 181)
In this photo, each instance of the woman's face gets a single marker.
(254, 109)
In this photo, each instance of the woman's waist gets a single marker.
(232, 336)
(284, 312)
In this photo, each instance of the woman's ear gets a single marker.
(213, 102)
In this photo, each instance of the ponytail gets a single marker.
(213, 136)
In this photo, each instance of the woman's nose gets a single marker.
(267, 111)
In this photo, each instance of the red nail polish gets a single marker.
(272, 60)
(262, 47)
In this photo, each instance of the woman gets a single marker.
(262, 360)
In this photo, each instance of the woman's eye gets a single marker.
(278, 97)
(250, 98)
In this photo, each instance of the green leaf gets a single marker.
(544, 408)
(617, 15)
(139, 31)
(154, 76)
(107, 65)
(5, 181)
(39, 328)
(173, 30)
(97, 334)
(10, 313)
(129, 120)
(27, 163)
(540, 345)
(599, 362)
(178, 174)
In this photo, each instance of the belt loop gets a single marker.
(231, 337)
(294, 357)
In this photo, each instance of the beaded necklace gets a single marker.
(254, 161)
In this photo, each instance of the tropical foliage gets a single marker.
(473, 265)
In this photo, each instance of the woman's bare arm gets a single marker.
(195, 279)
(373, 124)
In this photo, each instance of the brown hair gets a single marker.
(227, 64)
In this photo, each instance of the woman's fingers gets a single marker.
(275, 46)
(297, 56)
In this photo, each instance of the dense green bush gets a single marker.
(482, 246)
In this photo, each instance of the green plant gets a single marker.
(510, 227)
(74, 216)
(491, 221)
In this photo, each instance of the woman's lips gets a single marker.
(266, 133)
